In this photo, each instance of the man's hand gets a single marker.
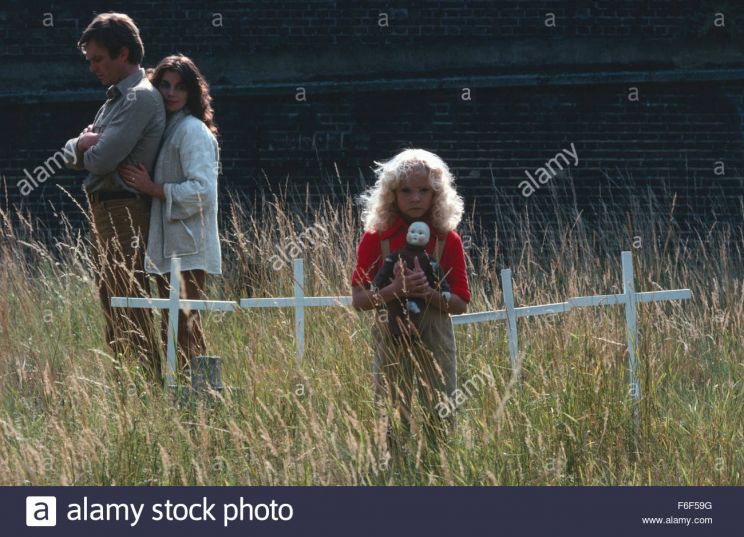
(87, 140)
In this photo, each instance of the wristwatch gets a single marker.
(446, 296)
(376, 296)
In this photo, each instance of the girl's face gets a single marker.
(173, 91)
(414, 195)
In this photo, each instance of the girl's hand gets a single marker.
(418, 283)
(410, 283)
(137, 177)
(398, 282)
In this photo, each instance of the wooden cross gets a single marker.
(299, 302)
(173, 304)
(629, 298)
(511, 314)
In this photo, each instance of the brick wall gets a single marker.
(264, 24)
(669, 140)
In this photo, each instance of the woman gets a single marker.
(183, 215)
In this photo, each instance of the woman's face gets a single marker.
(414, 195)
(173, 91)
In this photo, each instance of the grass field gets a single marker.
(64, 419)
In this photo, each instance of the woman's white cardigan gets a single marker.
(185, 223)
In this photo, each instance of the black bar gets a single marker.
(380, 511)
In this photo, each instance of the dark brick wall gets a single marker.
(673, 135)
(666, 143)
(266, 24)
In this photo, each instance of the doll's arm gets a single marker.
(385, 275)
(365, 299)
(439, 277)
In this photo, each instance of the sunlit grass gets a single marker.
(66, 418)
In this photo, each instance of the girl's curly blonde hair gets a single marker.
(379, 209)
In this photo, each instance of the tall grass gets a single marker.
(66, 418)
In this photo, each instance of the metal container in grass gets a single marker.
(206, 374)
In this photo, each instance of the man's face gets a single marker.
(108, 70)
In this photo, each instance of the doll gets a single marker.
(404, 315)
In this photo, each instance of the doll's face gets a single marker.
(418, 234)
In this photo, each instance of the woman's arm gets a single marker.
(137, 177)
(199, 156)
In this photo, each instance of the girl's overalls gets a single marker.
(431, 363)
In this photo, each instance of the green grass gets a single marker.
(66, 419)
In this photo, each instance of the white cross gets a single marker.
(173, 304)
(630, 298)
(511, 314)
(299, 301)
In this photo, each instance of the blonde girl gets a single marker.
(414, 185)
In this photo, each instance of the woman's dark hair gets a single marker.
(114, 31)
(199, 102)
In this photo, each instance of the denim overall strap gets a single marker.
(385, 248)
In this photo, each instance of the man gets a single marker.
(127, 128)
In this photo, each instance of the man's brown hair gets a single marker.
(114, 31)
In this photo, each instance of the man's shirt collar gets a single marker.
(125, 84)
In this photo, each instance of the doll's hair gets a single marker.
(379, 208)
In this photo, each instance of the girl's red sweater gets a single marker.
(369, 256)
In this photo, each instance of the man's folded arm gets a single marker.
(120, 134)
(73, 156)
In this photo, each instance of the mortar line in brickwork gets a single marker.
(413, 84)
